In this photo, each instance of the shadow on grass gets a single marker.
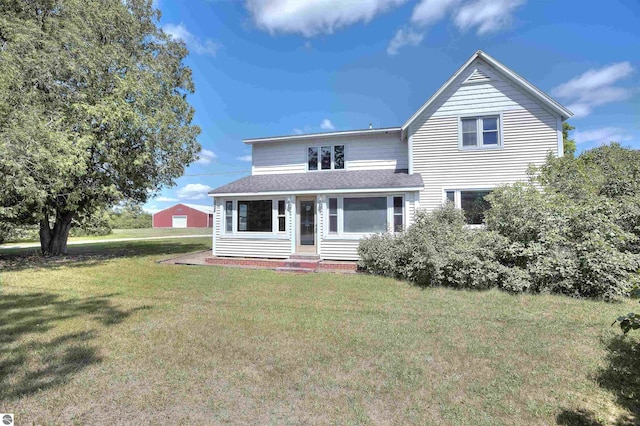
(30, 360)
(621, 377)
(93, 254)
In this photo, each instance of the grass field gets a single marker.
(110, 335)
(128, 233)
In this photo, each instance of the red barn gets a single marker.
(184, 216)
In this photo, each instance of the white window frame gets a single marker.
(333, 159)
(277, 216)
(479, 142)
(236, 233)
(224, 216)
(458, 200)
(341, 234)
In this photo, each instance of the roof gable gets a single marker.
(478, 75)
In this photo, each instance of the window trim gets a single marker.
(277, 216)
(274, 233)
(341, 234)
(479, 142)
(333, 154)
(458, 200)
(225, 217)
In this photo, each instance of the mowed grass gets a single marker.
(113, 336)
(129, 233)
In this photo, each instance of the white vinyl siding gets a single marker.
(246, 244)
(529, 133)
(361, 153)
(482, 98)
(344, 246)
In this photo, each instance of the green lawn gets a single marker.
(113, 336)
(131, 233)
(147, 232)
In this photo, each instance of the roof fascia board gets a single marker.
(524, 84)
(442, 88)
(515, 78)
(320, 191)
(324, 135)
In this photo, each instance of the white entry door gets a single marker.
(179, 221)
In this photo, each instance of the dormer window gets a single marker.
(325, 157)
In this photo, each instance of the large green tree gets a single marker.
(93, 110)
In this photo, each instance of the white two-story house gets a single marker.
(321, 193)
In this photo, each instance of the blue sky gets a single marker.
(278, 67)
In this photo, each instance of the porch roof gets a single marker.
(335, 181)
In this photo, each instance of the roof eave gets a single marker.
(317, 191)
(521, 82)
(345, 133)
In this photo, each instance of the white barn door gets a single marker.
(178, 221)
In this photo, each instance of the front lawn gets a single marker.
(113, 336)
(129, 233)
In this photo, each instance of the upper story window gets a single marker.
(480, 132)
(325, 157)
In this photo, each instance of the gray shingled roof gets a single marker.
(322, 181)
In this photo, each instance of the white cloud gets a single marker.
(431, 11)
(313, 17)
(594, 87)
(404, 37)
(193, 191)
(246, 158)
(166, 199)
(180, 32)
(601, 136)
(206, 157)
(327, 125)
(487, 16)
(151, 209)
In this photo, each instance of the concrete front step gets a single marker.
(295, 270)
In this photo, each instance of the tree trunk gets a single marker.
(53, 242)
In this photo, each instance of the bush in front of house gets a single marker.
(534, 241)
(562, 245)
(437, 250)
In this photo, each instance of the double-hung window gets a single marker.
(480, 132)
(365, 215)
(329, 157)
(282, 222)
(228, 216)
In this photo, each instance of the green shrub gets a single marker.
(573, 230)
(437, 250)
(569, 246)
(95, 224)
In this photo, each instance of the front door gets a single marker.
(306, 225)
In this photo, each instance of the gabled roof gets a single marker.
(511, 76)
(322, 182)
(200, 208)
